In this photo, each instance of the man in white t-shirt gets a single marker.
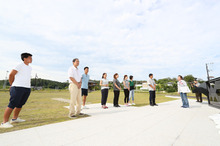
(20, 81)
(152, 87)
(75, 80)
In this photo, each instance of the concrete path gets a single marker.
(165, 125)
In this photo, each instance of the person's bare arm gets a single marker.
(12, 76)
(128, 85)
(103, 84)
(100, 83)
(75, 82)
(154, 87)
(117, 86)
(125, 84)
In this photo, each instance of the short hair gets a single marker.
(103, 75)
(125, 76)
(131, 77)
(180, 76)
(150, 74)
(115, 75)
(86, 67)
(74, 60)
(25, 55)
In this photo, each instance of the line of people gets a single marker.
(20, 78)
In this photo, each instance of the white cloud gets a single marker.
(166, 37)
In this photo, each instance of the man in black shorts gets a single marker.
(85, 86)
(20, 81)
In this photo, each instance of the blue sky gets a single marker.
(165, 37)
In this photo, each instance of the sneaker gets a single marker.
(85, 107)
(73, 116)
(133, 104)
(18, 120)
(130, 104)
(6, 125)
(81, 114)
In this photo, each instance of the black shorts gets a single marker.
(84, 92)
(19, 96)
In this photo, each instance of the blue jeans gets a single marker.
(184, 99)
(131, 95)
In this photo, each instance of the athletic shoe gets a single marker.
(18, 120)
(133, 104)
(6, 125)
(73, 116)
(130, 104)
(106, 106)
(85, 107)
(81, 114)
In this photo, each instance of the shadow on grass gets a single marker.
(140, 104)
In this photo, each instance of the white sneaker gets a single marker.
(129, 104)
(6, 125)
(133, 104)
(18, 120)
(85, 107)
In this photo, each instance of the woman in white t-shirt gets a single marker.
(104, 90)
(183, 89)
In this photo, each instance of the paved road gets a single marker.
(165, 125)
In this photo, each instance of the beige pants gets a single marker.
(75, 99)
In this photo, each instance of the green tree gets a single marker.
(189, 78)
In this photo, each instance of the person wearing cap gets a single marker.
(196, 84)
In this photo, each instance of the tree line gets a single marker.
(165, 84)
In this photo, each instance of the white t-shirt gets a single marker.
(151, 82)
(23, 76)
(74, 73)
(104, 82)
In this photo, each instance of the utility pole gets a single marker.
(5, 82)
(35, 80)
(208, 77)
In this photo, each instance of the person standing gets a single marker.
(183, 89)
(131, 94)
(152, 88)
(104, 90)
(117, 88)
(196, 84)
(75, 80)
(20, 81)
(126, 89)
(85, 86)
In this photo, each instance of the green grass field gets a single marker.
(41, 109)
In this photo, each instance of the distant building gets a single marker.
(170, 84)
(37, 88)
